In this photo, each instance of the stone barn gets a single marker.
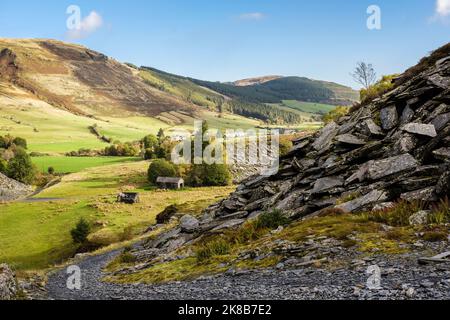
(170, 183)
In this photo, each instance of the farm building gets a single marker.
(170, 183)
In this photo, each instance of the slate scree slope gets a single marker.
(396, 147)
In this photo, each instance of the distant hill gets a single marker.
(287, 88)
(194, 91)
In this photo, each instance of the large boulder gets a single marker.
(8, 283)
(189, 224)
(419, 218)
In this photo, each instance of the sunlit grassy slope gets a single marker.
(48, 129)
(308, 107)
(75, 164)
(51, 130)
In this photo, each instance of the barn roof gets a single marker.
(169, 180)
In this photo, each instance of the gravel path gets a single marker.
(401, 279)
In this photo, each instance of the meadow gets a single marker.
(308, 107)
(64, 165)
(52, 131)
(36, 235)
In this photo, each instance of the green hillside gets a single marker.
(308, 107)
(287, 88)
(181, 87)
(193, 91)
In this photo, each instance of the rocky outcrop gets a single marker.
(8, 66)
(396, 147)
(8, 283)
(11, 189)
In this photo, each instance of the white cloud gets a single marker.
(87, 26)
(443, 8)
(252, 16)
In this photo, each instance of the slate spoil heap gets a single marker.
(11, 189)
(397, 147)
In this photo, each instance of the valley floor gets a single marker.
(401, 278)
(35, 234)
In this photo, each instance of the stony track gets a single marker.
(402, 278)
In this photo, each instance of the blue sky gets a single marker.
(224, 40)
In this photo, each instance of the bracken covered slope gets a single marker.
(79, 80)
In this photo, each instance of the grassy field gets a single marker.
(308, 107)
(36, 235)
(53, 131)
(77, 164)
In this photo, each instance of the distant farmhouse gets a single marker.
(170, 183)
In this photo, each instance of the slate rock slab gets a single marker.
(326, 137)
(386, 167)
(421, 129)
(389, 117)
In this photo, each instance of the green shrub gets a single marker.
(272, 220)
(398, 215)
(122, 150)
(20, 142)
(6, 141)
(3, 143)
(216, 175)
(440, 213)
(51, 170)
(127, 257)
(149, 154)
(3, 166)
(21, 167)
(248, 232)
(150, 142)
(435, 236)
(214, 248)
(80, 232)
(127, 234)
(377, 90)
(205, 175)
(286, 145)
(161, 168)
(335, 114)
